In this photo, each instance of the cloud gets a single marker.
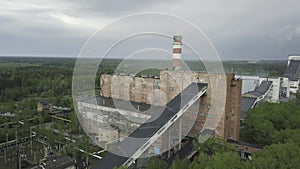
(239, 29)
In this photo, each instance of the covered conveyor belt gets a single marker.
(132, 147)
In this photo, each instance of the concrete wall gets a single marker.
(139, 89)
(249, 82)
(160, 91)
(107, 135)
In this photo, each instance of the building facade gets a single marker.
(158, 92)
(292, 72)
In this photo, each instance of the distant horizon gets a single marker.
(118, 58)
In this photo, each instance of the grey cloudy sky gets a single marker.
(239, 29)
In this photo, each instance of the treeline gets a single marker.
(37, 81)
(261, 68)
(23, 77)
(39, 77)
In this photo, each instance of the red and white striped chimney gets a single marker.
(177, 43)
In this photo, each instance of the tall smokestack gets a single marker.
(177, 43)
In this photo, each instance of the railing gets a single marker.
(144, 147)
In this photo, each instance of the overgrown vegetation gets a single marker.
(272, 123)
(25, 81)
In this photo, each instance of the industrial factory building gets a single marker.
(256, 89)
(127, 101)
(293, 73)
(142, 90)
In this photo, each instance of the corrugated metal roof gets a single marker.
(262, 88)
(293, 70)
(122, 104)
(247, 102)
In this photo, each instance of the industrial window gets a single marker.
(156, 85)
(171, 88)
(201, 114)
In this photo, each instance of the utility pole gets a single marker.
(169, 143)
(18, 153)
(6, 141)
(179, 136)
(34, 157)
(5, 160)
(19, 161)
(87, 157)
(30, 134)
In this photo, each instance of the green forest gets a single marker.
(25, 81)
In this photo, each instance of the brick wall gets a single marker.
(159, 91)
